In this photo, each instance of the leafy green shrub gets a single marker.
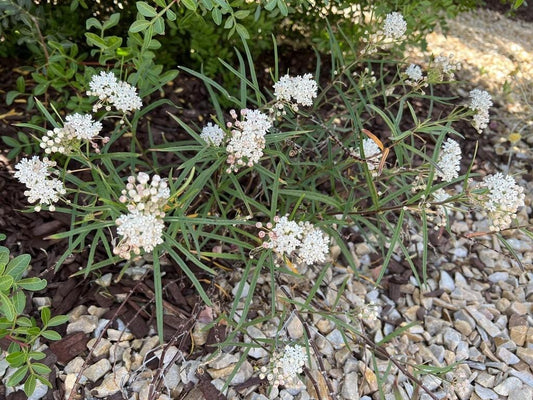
(23, 332)
(269, 183)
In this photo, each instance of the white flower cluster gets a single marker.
(285, 367)
(446, 65)
(213, 135)
(143, 227)
(440, 217)
(295, 90)
(247, 141)
(367, 312)
(118, 94)
(414, 73)
(65, 140)
(372, 151)
(35, 174)
(138, 231)
(302, 239)
(480, 102)
(394, 26)
(449, 162)
(503, 199)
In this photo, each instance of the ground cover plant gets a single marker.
(267, 185)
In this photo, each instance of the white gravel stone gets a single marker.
(96, 371)
(336, 339)
(484, 322)
(74, 366)
(498, 276)
(245, 289)
(112, 383)
(507, 385)
(223, 360)
(295, 328)
(524, 376)
(172, 377)
(350, 389)
(506, 356)
(101, 349)
(245, 372)
(451, 338)
(524, 393)
(446, 282)
(40, 391)
(486, 393)
(85, 324)
(188, 371)
(256, 333)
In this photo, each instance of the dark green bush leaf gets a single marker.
(146, 10)
(45, 315)
(24, 321)
(7, 309)
(113, 20)
(11, 95)
(139, 25)
(21, 84)
(36, 355)
(19, 301)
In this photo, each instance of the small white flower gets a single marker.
(446, 65)
(480, 102)
(314, 247)
(119, 94)
(139, 232)
(442, 210)
(502, 201)
(83, 125)
(449, 161)
(35, 174)
(285, 367)
(286, 236)
(414, 73)
(245, 147)
(300, 89)
(212, 134)
(394, 26)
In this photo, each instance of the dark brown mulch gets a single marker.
(523, 13)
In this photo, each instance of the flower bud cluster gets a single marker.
(110, 90)
(35, 174)
(501, 201)
(142, 228)
(301, 239)
(392, 31)
(145, 196)
(449, 162)
(394, 26)
(295, 90)
(285, 367)
(247, 140)
(415, 76)
(480, 102)
(67, 139)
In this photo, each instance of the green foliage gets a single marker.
(21, 331)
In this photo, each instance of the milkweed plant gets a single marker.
(267, 186)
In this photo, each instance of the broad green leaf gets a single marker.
(45, 315)
(6, 282)
(18, 376)
(41, 369)
(19, 301)
(113, 20)
(93, 22)
(36, 355)
(21, 84)
(24, 321)
(190, 4)
(241, 30)
(29, 385)
(51, 335)
(171, 15)
(7, 309)
(216, 14)
(58, 320)
(32, 284)
(145, 9)
(16, 359)
(241, 14)
(18, 265)
(139, 25)
(283, 8)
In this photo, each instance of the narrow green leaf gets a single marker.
(41, 369)
(58, 320)
(7, 309)
(45, 315)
